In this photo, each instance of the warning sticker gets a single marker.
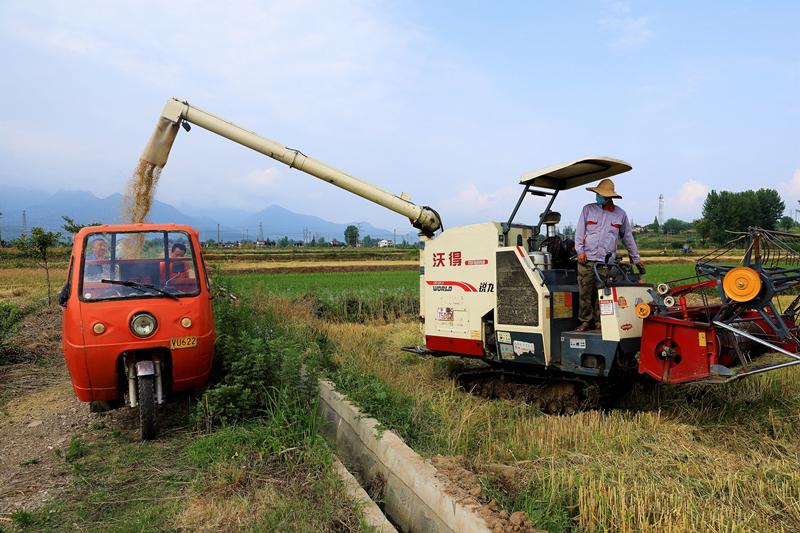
(562, 305)
(504, 336)
(522, 347)
(506, 352)
(474, 334)
(606, 307)
(579, 344)
(472, 262)
(701, 338)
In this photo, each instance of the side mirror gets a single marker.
(63, 296)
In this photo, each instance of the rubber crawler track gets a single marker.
(551, 393)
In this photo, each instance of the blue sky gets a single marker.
(448, 101)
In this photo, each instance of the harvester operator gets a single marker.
(599, 226)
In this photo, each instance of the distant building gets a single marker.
(383, 243)
(638, 229)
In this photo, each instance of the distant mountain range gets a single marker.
(46, 209)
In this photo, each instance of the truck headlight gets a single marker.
(143, 325)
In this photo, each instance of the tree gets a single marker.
(701, 227)
(725, 212)
(674, 225)
(70, 226)
(786, 223)
(655, 226)
(283, 242)
(37, 246)
(368, 241)
(351, 235)
(321, 241)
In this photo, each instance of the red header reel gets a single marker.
(716, 327)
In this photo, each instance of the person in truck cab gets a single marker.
(100, 269)
(600, 225)
(178, 267)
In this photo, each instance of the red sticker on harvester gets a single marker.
(471, 262)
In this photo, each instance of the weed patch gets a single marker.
(10, 315)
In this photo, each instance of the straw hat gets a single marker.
(605, 189)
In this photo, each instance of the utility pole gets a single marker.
(394, 239)
(218, 233)
(260, 231)
(1, 229)
(24, 224)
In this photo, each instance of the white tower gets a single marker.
(660, 209)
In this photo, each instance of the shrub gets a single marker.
(10, 315)
(258, 372)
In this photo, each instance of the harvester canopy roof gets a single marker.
(575, 173)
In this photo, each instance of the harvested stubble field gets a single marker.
(687, 458)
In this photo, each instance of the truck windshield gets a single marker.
(155, 264)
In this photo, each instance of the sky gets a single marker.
(449, 102)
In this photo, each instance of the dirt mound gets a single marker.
(465, 486)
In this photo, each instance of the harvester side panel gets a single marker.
(618, 316)
(459, 287)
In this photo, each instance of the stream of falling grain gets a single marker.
(138, 202)
(141, 189)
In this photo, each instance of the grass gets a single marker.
(683, 458)
(711, 458)
(341, 296)
(248, 457)
(368, 296)
(310, 254)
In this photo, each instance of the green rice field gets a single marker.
(362, 296)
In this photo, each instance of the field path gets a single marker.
(39, 414)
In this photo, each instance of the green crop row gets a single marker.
(340, 296)
(365, 296)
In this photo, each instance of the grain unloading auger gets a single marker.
(503, 293)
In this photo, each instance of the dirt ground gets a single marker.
(465, 487)
(39, 415)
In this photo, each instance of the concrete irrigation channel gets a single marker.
(413, 497)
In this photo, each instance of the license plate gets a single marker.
(179, 343)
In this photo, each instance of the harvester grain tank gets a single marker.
(506, 293)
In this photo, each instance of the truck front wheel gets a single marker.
(147, 407)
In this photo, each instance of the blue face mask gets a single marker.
(599, 199)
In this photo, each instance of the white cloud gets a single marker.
(791, 187)
(276, 53)
(693, 192)
(261, 178)
(474, 205)
(628, 30)
(688, 201)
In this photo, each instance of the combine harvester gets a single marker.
(506, 294)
